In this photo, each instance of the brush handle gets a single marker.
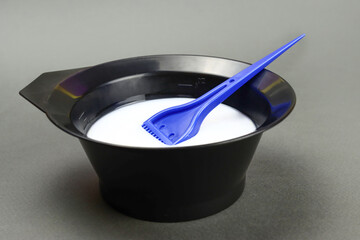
(221, 92)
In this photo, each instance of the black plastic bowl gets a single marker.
(162, 184)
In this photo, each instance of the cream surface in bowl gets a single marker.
(123, 125)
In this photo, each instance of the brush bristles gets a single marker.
(152, 133)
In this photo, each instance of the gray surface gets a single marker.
(304, 180)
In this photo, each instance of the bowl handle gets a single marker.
(39, 90)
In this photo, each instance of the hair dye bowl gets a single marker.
(160, 183)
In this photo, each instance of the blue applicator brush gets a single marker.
(177, 124)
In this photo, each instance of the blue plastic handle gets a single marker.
(221, 92)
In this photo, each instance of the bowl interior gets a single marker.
(83, 98)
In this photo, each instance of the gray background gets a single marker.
(304, 180)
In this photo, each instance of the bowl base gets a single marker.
(135, 206)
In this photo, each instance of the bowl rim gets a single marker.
(259, 130)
